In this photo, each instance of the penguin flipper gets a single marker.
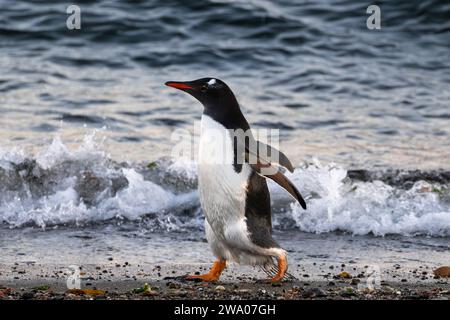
(254, 149)
(277, 176)
(274, 156)
(264, 167)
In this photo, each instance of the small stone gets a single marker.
(28, 295)
(355, 281)
(443, 272)
(173, 285)
(151, 293)
(348, 292)
(220, 288)
(244, 290)
(276, 284)
(181, 293)
(344, 275)
(388, 289)
(313, 293)
(41, 288)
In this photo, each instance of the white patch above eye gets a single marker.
(212, 82)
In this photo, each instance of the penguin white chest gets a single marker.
(222, 190)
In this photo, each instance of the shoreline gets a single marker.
(118, 261)
(39, 282)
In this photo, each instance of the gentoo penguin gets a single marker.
(232, 172)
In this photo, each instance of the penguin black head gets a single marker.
(216, 97)
(209, 91)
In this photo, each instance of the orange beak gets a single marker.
(179, 85)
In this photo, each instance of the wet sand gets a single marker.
(118, 261)
(122, 280)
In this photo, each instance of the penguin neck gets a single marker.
(228, 114)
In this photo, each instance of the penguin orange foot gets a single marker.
(213, 274)
(282, 268)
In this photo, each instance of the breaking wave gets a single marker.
(60, 186)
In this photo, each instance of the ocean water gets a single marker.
(86, 125)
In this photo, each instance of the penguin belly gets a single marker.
(223, 192)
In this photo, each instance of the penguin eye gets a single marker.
(204, 88)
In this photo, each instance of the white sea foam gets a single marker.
(8, 157)
(63, 186)
(65, 177)
(89, 150)
(185, 168)
(367, 207)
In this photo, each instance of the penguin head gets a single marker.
(213, 93)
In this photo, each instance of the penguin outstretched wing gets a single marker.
(280, 179)
(261, 162)
(255, 149)
(272, 154)
(264, 167)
